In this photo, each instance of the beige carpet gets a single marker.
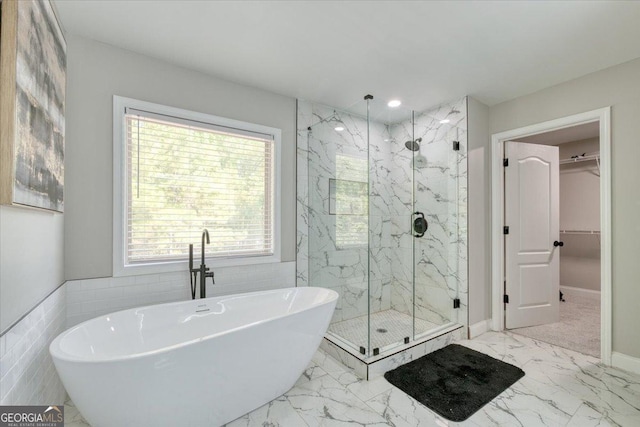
(578, 328)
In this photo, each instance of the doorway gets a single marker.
(555, 252)
(571, 316)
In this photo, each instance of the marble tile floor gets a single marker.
(560, 388)
(387, 327)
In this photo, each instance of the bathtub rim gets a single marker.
(56, 351)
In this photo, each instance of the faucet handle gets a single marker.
(210, 274)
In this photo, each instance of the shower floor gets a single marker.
(387, 327)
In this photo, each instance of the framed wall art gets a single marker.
(32, 105)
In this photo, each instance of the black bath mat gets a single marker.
(454, 381)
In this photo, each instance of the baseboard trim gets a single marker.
(628, 363)
(479, 328)
(585, 293)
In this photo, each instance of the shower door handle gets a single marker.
(420, 224)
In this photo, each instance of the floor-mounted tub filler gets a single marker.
(196, 363)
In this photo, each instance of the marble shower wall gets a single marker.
(439, 184)
(333, 233)
(323, 258)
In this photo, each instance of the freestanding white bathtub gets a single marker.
(198, 363)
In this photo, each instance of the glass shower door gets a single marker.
(390, 245)
(338, 219)
(386, 219)
(436, 172)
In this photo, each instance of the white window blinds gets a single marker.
(183, 176)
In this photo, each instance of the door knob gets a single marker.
(557, 243)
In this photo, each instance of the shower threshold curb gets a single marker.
(371, 367)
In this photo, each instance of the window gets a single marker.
(181, 172)
(350, 190)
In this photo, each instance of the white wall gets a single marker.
(579, 270)
(580, 210)
(31, 268)
(579, 188)
(31, 264)
(96, 72)
(618, 87)
(479, 213)
(89, 298)
(579, 198)
(27, 374)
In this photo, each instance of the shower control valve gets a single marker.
(420, 224)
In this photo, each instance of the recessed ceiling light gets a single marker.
(339, 128)
(445, 121)
(394, 103)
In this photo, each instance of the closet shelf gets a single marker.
(580, 159)
(580, 231)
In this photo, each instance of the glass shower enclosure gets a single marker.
(382, 219)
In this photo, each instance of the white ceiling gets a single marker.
(335, 52)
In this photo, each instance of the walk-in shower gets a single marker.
(382, 219)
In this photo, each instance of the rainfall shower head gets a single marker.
(413, 145)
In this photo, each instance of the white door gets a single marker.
(532, 275)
